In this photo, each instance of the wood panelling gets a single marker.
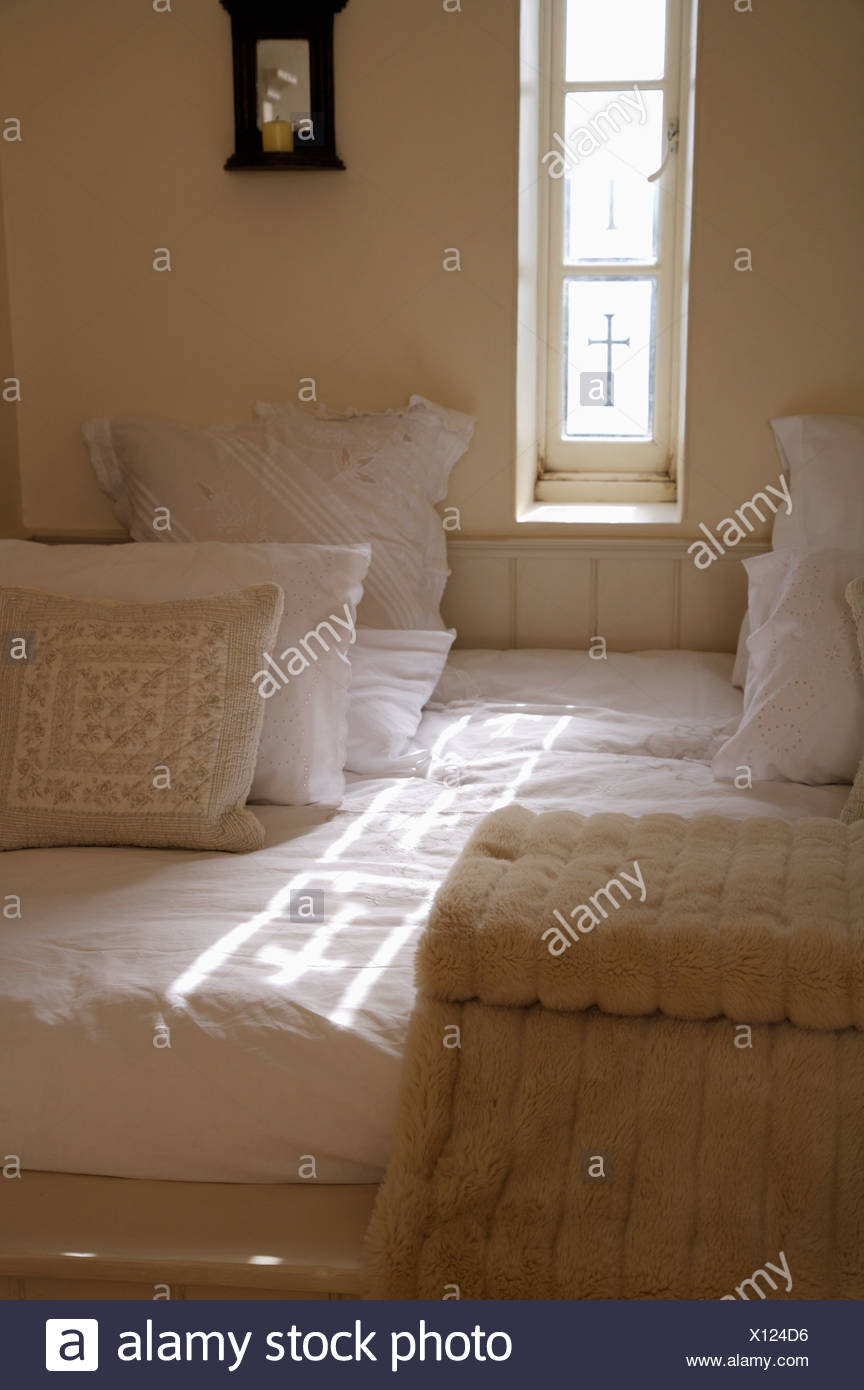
(102, 1290)
(224, 1292)
(556, 593)
(553, 601)
(636, 608)
(480, 598)
(712, 603)
(560, 593)
(294, 1240)
(85, 1288)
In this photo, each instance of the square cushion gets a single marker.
(302, 750)
(131, 723)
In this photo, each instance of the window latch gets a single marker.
(672, 132)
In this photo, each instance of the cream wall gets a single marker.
(127, 119)
(10, 502)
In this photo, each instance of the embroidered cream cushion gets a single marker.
(131, 723)
(301, 755)
(854, 808)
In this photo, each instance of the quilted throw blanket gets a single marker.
(635, 1067)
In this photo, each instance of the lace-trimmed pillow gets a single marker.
(854, 808)
(377, 477)
(131, 723)
(803, 717)
(309, 478)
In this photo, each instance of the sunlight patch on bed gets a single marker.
(530, 763)
(556, 731)
(447, 735)
(504, 724)
(210, 960)
(421, 824)
(355, 830)
(361, 986)
(292, 964)
(218, 954)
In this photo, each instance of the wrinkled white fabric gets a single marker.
(286, 1031)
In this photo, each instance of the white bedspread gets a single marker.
(286, 1034)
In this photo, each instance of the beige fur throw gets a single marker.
(636, 1066)
(854, 808)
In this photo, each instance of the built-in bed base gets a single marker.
(68, 1235)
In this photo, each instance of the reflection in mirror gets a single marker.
(284, 97)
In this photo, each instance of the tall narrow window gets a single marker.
(610, 231)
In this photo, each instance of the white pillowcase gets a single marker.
(742, 657)
(824, 457)
(803, 717)
(302, 750)
(300, 477)
(392, 676)
(382, 473)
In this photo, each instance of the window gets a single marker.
(604, 233)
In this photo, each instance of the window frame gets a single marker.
(596, 470)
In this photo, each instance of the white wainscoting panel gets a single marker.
(482, 597)
(636, 603)
(561, 593)
(712, 605)
(566, 581)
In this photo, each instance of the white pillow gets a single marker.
(764, 591)
(385, 472)
(803, 717)
(824, 457)
(333, 480)
(739, 670)
(392, 676)
(302, 749)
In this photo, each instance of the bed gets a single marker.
(234, 1048)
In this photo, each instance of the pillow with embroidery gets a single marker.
(319, 478)
(131, 723)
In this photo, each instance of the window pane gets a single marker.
(609, 376)
(614, 140)
(611, 39)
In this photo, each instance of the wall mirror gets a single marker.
(284, 103)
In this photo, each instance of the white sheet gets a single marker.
(285, 1034)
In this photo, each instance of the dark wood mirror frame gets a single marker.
(252, 20)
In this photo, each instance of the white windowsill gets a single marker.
(602, 513)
